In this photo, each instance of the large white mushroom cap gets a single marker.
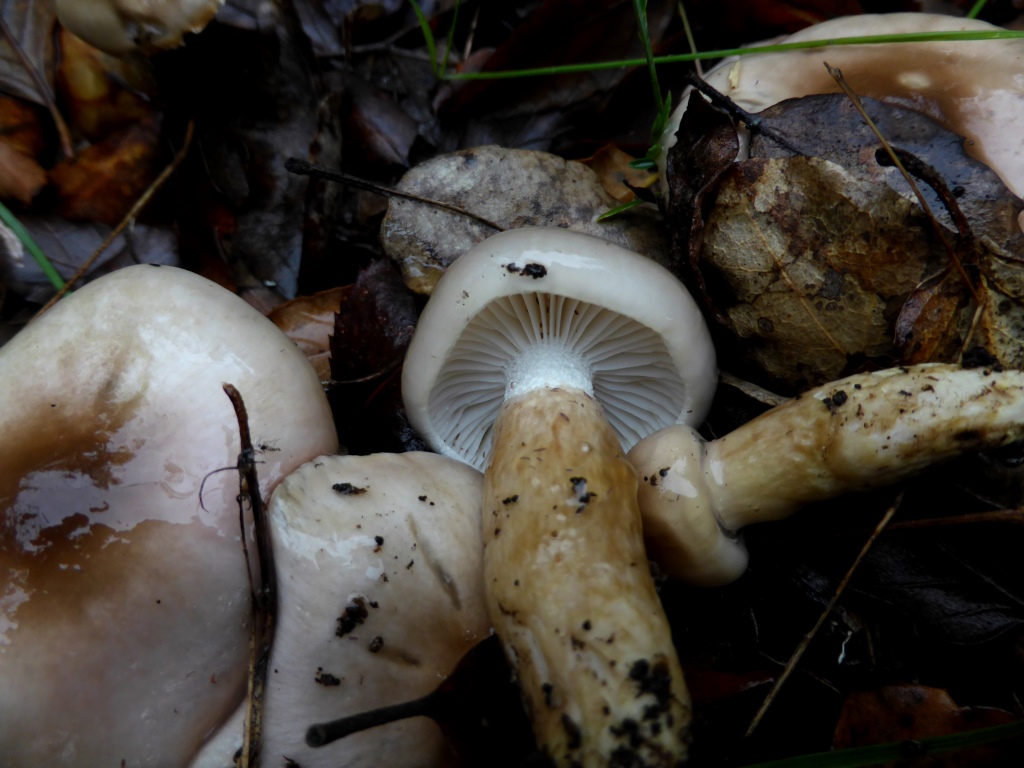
(120, 26)
(381, 594)
(973, 88)
(543, 306)
(124, 604)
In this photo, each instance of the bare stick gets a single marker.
(264, 596)
(805, 643)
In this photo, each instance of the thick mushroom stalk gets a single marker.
(541, 354)
(859, 433)
(569, 587)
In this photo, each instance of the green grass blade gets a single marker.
(976, 9)
(31, 246)
(640, 11)
(428, 35)
(912, 37)
(620, 209)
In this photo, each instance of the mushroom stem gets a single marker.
(569, 589)
(858, 433)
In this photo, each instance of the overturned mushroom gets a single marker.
(380, 584)
(541, 354)
(120, 26)
(124, 601)
(862, 432)
(971, 88)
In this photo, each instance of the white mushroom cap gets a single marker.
(120, 26)
(548, 307)
(973, 88)
(381, 594)
(124, 605)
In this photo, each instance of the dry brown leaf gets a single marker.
(309, 322)
(21, 127)
(104, 181)
(21, 177)
(802, 253)
(814, 265)
(912, 712)
(93, 89)
(511, 187)
(612, 167)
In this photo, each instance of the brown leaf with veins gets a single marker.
(373, 326)
(309, 322)
(903, 713)
(819, 266)
(613, 169)
(21, 177)
(104, 181)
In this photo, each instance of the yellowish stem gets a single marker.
(570, 592)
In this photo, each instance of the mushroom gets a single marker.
(541, 355)
(380, 592)
(124, 600)
(971, 88)
(862, 432)
(120, 26)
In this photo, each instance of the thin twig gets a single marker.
(43, 87)
(129, 217)
(751, 390)
(995, 516)
(264, 595)
(805, 643)
(305, 168)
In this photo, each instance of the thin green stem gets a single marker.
(31, 246)
(451, 38)
(640, 11)
(428, 36)
(912, 37)
(976, 9)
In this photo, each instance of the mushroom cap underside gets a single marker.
(540, 307)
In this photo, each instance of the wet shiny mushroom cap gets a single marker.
(124, 601)
(381, 594)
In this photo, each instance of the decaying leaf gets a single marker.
(374, 325)
(612, 167)
(809, 262)
(912, 712)
(21, 177)
(105, 180)
(31, 27)
(100, 93)
(512, 188)
(309, 322)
